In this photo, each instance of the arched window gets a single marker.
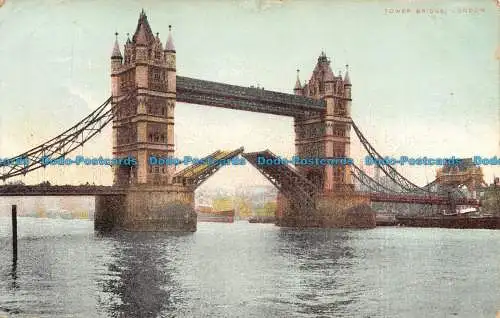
(156, 74)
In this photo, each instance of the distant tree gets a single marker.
(222, 204)
(243, 207)
(270, 208)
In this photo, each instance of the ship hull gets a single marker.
(452, 222)
(262, 219)
(220, 217)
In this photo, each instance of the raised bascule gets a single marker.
(144, 197)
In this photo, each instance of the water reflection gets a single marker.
(13, 273)
(246, 270)
(322, 259)
(140, 279)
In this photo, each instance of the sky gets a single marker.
(423, 84)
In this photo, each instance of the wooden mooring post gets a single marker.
(14, 231)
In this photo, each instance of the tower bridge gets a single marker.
(144, 90)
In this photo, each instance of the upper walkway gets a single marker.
(196, 91)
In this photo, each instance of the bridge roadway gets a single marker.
(58, 190)
(87, 190)
(84, 190)
(419, 199)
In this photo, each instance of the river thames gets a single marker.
(64, 269)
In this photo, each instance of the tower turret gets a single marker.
(116, 56)
(347, 80)
(298, 90)
(170, 61)
(169, 47)
(347, 90)
(116, 63)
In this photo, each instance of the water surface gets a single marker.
(64, 269)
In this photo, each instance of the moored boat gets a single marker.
(262, 219)
(216, 216)
(451, 221)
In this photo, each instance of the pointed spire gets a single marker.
(116, 49)
(143, 34)
(170, 42)
(347, 80)
(297, 83)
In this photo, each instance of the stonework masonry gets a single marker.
(333, 211)
(143, 84)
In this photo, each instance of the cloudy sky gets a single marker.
(423, 84)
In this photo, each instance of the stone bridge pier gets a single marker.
(146, 208)
(333, 210)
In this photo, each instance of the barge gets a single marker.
(262, 219)
(451, 221)
(216, 216)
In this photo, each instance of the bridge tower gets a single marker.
(466, 173)
(143, 85)
(143, 81)
(327, 134)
